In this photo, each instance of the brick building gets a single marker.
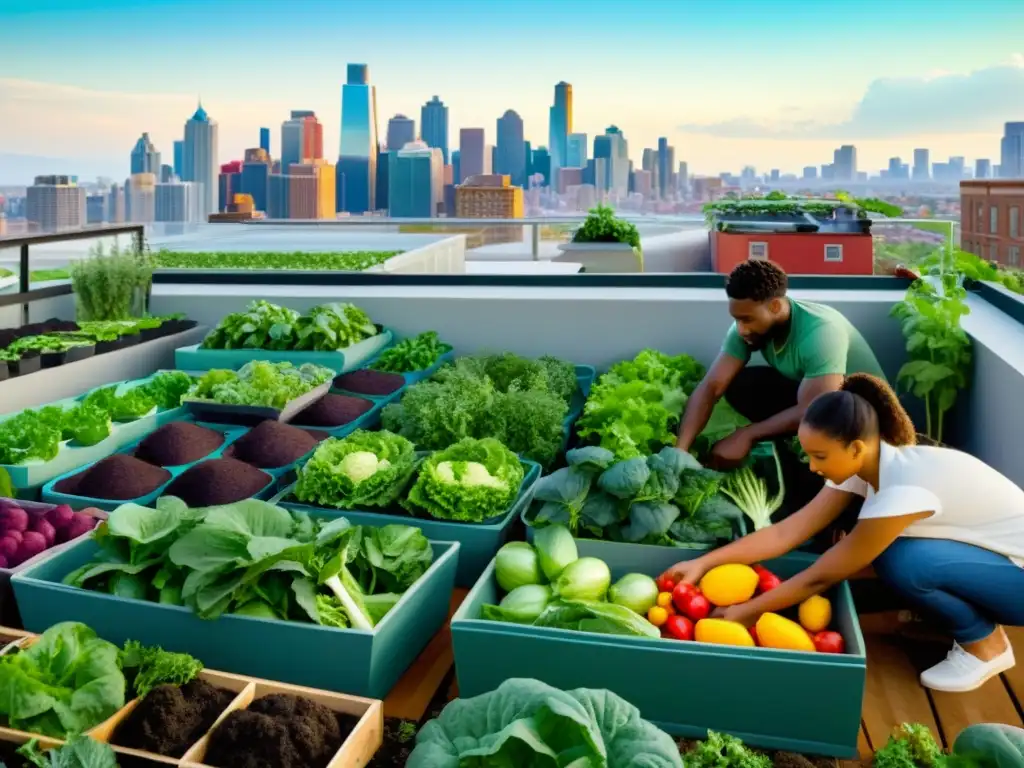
(990, 219)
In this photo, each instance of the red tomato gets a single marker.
(682, 594)
(753, 634)
(829, 642)
(767, 581)
(679, 627)
(665, 584)
(694, 606)
(758, 569)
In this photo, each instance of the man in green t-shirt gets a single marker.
(809, 349)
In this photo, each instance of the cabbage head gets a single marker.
(365, 469)
(470, 481)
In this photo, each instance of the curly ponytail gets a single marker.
(864, 407)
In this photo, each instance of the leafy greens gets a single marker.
(260, 383)
(263, 325)
(417, 353)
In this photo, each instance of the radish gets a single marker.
(60, 516)
(32, 543)
(9, 547)
(81, 524)
(13, 518)
(48, 531)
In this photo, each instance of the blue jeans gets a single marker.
(969, 589)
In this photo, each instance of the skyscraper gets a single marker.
(265, 141)
(511, 148)
(199, 159)
(302, 138)
(145, 158)
(434, 126)
(415, 182)
(666, 168)
(179, 154)
(982, 168)
(357, 159)
(256, 177)
(559, 127)
(922, 165)
(844, 161)
(576, 150)
(1011, 155)
(401, 130)
(174, 202)
(54, 203)
(474, 154)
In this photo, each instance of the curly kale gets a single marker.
(719, 750)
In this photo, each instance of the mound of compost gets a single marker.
(171, 718)
(118, 478)
(272, 444)
(218, 481)
(179, 442)
(367, 382)
(333, 411)
(279, 731)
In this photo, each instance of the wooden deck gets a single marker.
(893, 694)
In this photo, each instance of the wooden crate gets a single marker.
(356, 751)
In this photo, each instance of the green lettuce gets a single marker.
(78, 752)
(417, 353)
(260, 383)
(261, 325)
(66, 682)
(470, 481)
(364, 469)
(529, 723)
(27, 437)
(168, 387)
(333, 326)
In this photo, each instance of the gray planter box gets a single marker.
(602, 257)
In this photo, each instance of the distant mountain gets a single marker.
(19, 170)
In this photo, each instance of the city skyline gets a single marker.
(720, 116)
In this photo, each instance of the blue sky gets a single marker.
(775, 83)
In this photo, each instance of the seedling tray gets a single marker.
(362, 663)
(8, 607)
(355, 752)
(194, 358)
(478, 542)
(207, 410)
(25, 365)
(795, 717)
(51, 495)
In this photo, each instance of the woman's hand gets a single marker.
(686, 572)
(741, 614)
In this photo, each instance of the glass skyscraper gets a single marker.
(510, 152)
(357, 159)
(145, 158)
(415, 181)
(199, 159)
(401, 130)
(434, 126)
(559, 127)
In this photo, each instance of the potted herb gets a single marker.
(605, 243)
(55, 348)
(112, 285)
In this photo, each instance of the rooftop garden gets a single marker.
(334, 261)
(778, 204)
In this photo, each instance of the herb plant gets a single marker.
(417, 353)
(111, 285)
(937, 345)
(602, 226)
(150, 666)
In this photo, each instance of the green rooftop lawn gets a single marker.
(340, 261)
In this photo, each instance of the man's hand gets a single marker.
(741, 614)
(730, 452)
(686, 572)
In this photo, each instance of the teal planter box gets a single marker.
(785, 700)
(193, 358)
(585, 375)
(51, 495)
(349, 661)
(478, 542)
(414, 376)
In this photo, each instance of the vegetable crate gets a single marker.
(358, 662)
(808, 702)
(8, 607)
(194, 358)
(478, 542)
(54, 496)
(357, 750)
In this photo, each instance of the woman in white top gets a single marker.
(940, 527)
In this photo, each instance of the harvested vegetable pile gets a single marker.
(279, 731)
(218, 481)
(255, 559)
(116, 478)
(666, 499)
(364, 469)
(634, 408)
(367, 382)
(271, 445)
(470, 481)
(66, 682)
(24, 533)
(521, 402)
(263, 325)
(37, 434)
(417, 353)
(333, 410)
(171, 718)
(177, 443)
(259, 383)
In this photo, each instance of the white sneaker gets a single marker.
(961, 671)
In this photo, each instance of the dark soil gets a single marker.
(272, 444)
(333, 411)
(367, 382)
(218, 481)
(118, 478)
(179, 442)
(279, 731)
(171, 719)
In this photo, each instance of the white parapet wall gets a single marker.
(446, 255)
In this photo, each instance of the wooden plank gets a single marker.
(412, 694)
(864, 744)
(989, 704)
(1015, 677)
(893, 693)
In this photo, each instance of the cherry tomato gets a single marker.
(665, 584)
(679, 627)
(664, 599)
(829, 642)
(695, 607)
(657, 615)
(682, 594)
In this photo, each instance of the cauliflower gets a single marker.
(360, 465)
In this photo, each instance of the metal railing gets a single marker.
(26, 295)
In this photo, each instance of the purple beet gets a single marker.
(60, 516)
(32, 543)
(82, 524)
(9, 547)
(48, 531)
(13, 518)
(16, 535)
